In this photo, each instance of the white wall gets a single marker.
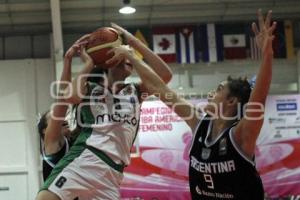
(23, 92)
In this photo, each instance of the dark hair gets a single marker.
(42, 124)
(240, 88)
(96, 71)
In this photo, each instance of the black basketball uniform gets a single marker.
(218, 170)
(49, 161)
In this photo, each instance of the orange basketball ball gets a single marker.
(100, 42)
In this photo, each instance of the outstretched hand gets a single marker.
(85, 57)
(76, 47)
(264, 34)
(129, 38)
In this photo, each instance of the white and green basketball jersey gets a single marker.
(110, 121)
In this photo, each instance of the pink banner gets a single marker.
(278, 152)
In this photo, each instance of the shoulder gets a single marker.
(238, 147)
(138, 90)
(90, 86)
(64, 147)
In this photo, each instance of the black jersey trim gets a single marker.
(195, 131)
(209, 144)
(46, 157)
(235, 145)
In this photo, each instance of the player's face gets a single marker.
(217, 98)
(128, 67)
(124, 69)
(65, 129)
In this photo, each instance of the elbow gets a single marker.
(70, 96)
(166, 74)
(72, 99)
(167, 78)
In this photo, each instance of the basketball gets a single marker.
(100, 42)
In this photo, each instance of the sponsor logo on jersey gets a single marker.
(114, 108)
(116, 117)
(205, 153)
(223, 147)
(200, 139)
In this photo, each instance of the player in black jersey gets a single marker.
(51, 159)
(222, 153)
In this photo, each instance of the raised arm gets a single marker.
(79, 83)
(249, 127)
(154, 61)
(54, 140)
(154, 84)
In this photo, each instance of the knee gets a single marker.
(47, 195)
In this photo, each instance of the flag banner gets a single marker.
(210, 43)
(164, 43)
(139, 35)
(186, 48)
(234, 46)
(144, 34)
(289, 39)
(234, 40)
(296, 30)
(256, 53)
(279, 46)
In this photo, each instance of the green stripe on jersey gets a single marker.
(74, 152)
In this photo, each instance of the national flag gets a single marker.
(186, 48)
(234, 40)
(164, 43)
(139, 35)
(255, 51)
(234, 46)
(210, 43)
(289, 39)
(279, 47)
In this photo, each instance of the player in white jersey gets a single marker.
(109, 118)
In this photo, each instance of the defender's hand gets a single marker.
(129, 38)
(264, 35)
